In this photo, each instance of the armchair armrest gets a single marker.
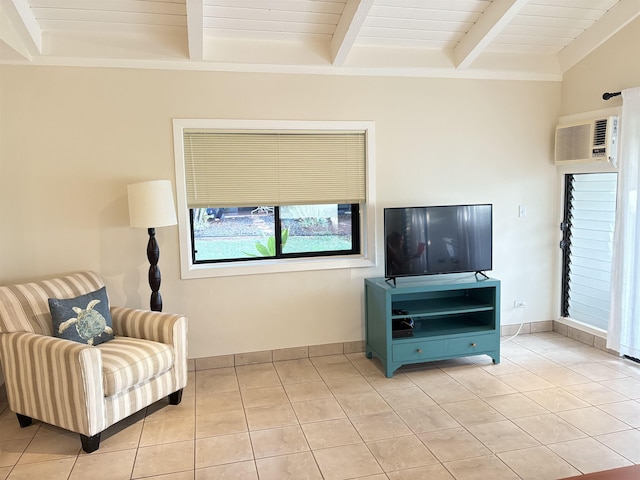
(160, 327)
(146, 324)
(54, 380)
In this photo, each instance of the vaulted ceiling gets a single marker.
(519, 39)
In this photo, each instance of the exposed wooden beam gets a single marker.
(25, 24)
(195, 29)
(353, 16)
(497, 15)
(611, 22)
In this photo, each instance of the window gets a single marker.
(267, 232)
(258, 197)
(587, 246)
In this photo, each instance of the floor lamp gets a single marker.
(150, 206)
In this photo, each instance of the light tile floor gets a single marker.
(552, 408)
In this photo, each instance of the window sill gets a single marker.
(273, 266)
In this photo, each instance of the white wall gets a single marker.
(611, 68)
(72, 138)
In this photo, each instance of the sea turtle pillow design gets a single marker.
(84, 319)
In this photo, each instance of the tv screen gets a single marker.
(438, 239)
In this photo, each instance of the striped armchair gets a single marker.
(79, 387)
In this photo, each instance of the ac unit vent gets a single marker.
(585, 142)
(600, 133)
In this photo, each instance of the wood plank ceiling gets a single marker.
(528, 39)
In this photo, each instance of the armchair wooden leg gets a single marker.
(176, 397)
(23, 420)
(90, 444)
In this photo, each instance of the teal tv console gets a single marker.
(452, 317)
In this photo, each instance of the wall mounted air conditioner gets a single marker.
(587, 142)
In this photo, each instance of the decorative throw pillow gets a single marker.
(84, 319)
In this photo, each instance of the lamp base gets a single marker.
(155, 305)
(153, 255)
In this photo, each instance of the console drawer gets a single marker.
(472, 344)
(416, 351)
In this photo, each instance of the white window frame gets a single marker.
(367, 256)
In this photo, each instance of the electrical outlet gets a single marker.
(519, 304)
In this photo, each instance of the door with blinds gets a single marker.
(588, 225)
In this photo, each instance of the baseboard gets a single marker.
(527, 327)
(581, 327)
(583, 334)
(268, 356)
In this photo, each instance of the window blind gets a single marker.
(246, 168)
(591, 222)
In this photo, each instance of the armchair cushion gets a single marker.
(127, 362)
(83, 319)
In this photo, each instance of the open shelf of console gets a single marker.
(450, 319)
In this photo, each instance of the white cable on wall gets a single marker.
(524, 315)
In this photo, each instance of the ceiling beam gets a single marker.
(353, 16)
(25, 24)
(611, 22)
(497, 15)
(195, 29)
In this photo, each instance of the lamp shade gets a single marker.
(151, 204)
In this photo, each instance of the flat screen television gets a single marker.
(437, 240)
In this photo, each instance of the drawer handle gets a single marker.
(473, 345)
(419, 350)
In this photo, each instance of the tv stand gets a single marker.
(481, 274)
(450, 319)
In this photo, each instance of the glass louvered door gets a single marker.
(589, 220)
